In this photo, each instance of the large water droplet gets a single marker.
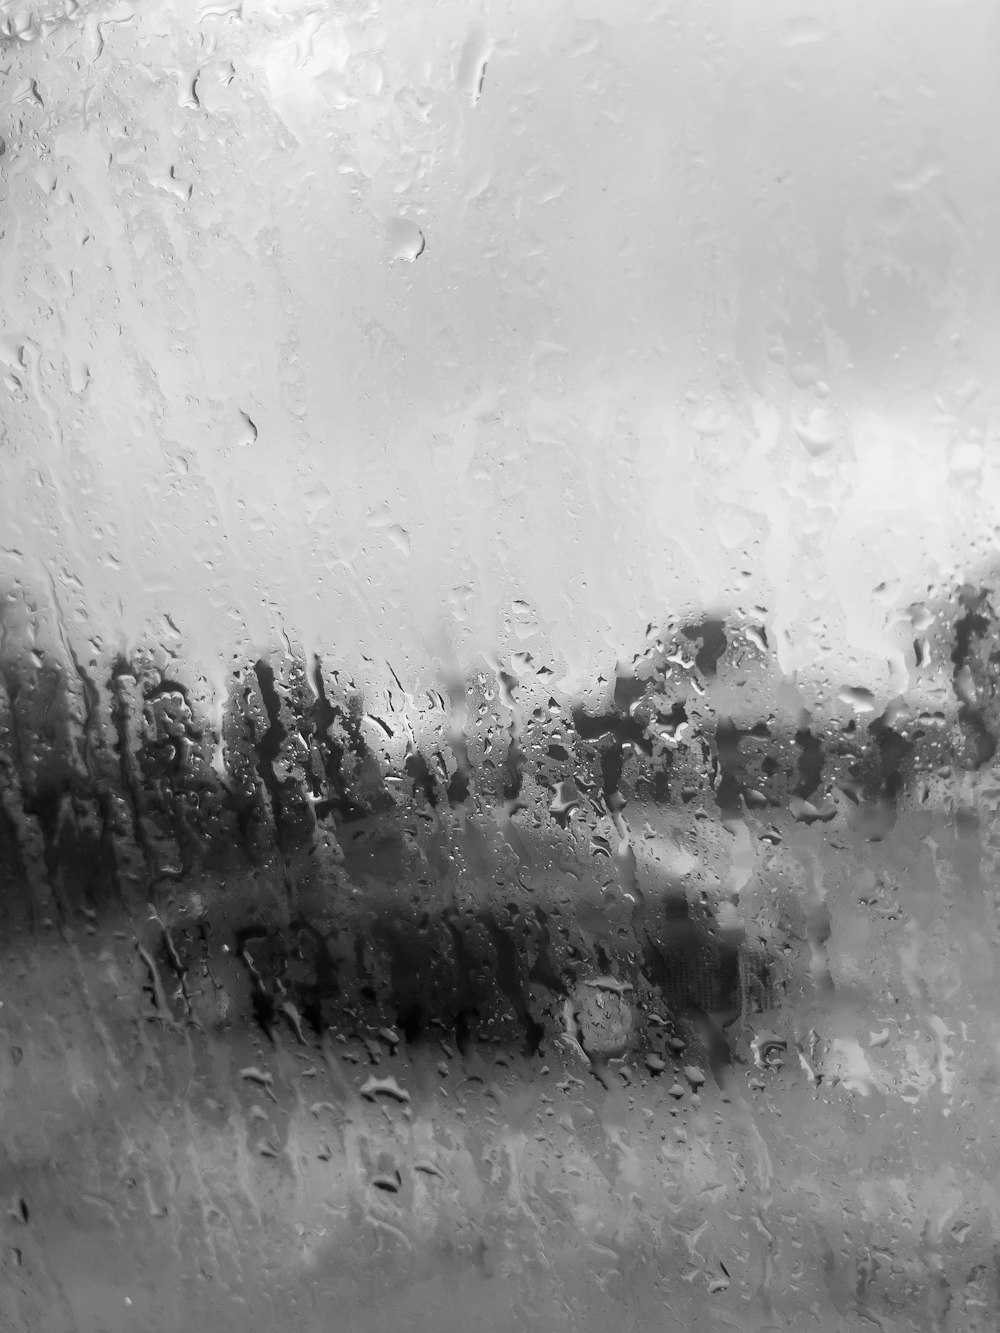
(472, 66)
(406, 240)
(860, 699)
(817, 433)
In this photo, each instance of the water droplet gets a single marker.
(769, 1050)
(966, 458)
(406, 240)
(399, 537)
(817, 433)
(711, 423)
(292, 1014)
(804, 374)
(804, 812)
(860, 699)
(257, 1075)
(472, 67)
(719, 1281)
(384, 1087)
(565, 799)
(803, 30)
(247, 432)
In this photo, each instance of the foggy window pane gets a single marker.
(499, 666)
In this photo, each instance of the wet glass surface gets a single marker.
(499, 667)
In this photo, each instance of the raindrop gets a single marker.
(384, 1087)
(804, 30)
(817, 433)
(769, 1050)
(472, 66)
(565, 799)
(804, 812)
(399, 537)
(406, 240)
(860, 699)
(257, 1075)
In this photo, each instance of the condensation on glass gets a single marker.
(499, 666)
